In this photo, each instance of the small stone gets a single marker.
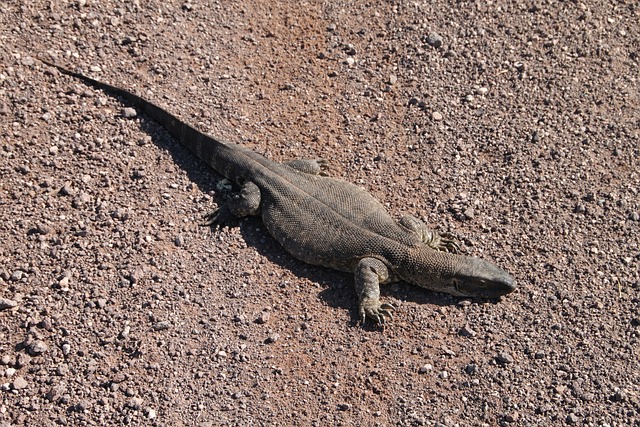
(469, 213)
(504, 358)
(437, 116)
(19, 383)
(129, 113)
(425, 368)
(5, 359)
(102, 302)
(36, 348)
(150, 413)
(434, 40)
(511, 418)
(81, 406)
(444, 375)
(55, 393)
(9, 372)
(66, 349)
(81, 200)
(27, 61)
(344, 407)
(135, 403)
(350, 61)
(67, 190)
(62, 370)
(471, 368)
(393, 79)
(272, 338)
(263, 318)
(179, 240)
(466, 331)
(7, 303)
(572, 419)
(22, 360)
(161, 326)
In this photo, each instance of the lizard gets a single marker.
(327, 221)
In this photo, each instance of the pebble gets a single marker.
(471, 368)
(272, 338)
(350, 61)
(444, 375)
(19, 383)
(9, 372)
(135, 403)
(161, 326)
(67, 190)
(37, 347)
(572, 419)
(437, 116)
(22, 360)
(434, 40)
(5, 359)
(81, 200)
(129, 112)
(263, 318)
(504, 358)
(425, 368)
(466, 331)
(150, 413)
(7, 303)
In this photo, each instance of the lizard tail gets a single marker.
(202, 145)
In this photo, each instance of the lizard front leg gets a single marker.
(369, 273)
(244, 203)
(433, 239)
(310, 166)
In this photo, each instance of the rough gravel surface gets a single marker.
(513, 125)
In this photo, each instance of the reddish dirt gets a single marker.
(516, 128)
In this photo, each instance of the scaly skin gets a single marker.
(330, 222)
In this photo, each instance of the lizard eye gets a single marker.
(456, 284)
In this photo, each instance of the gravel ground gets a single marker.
(514, 126)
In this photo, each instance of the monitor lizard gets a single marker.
(329, 222)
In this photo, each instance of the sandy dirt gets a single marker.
(513, 125)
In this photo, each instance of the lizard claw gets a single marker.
(376, 311)
(324, 167)
(448, 243)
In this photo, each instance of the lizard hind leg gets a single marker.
(244, 203)
(437, 241)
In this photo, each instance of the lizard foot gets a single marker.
(217, 219)
(446, 242)
(376, 311)
(324, 167)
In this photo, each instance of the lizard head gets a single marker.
(464, 276)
